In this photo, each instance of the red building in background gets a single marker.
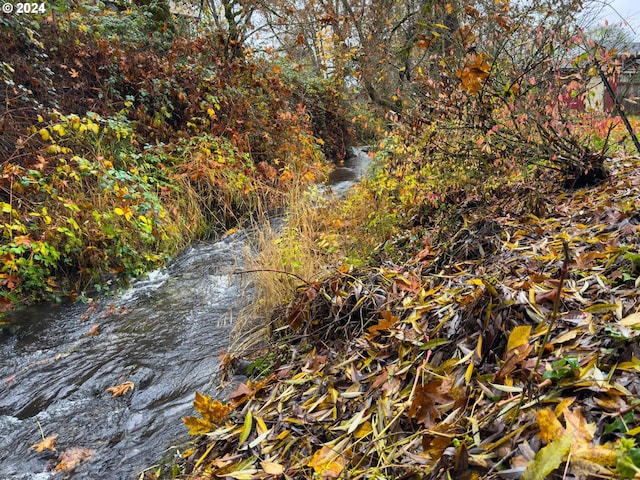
(625, 83)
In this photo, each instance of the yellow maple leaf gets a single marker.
(474, 74)
(46, 444)
(121, 389)
(582, 449)
(550, 427)
(212, 411)
(329, 461)
(197, 426)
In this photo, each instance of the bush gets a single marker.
(121, 145)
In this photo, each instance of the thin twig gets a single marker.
(564, 270)
(40, 427)
(273, 270)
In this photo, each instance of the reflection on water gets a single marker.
(347, 173)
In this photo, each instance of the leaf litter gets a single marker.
(477, 359)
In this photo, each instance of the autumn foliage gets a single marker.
(501, 345)
(479, 314)
(122, 141)
(469, 311)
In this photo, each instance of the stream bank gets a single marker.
(164, 334)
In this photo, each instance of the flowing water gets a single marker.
(164, 334)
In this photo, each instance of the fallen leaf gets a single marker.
(388, 320)
(632, 320)
(121, 389)
(272, 468)
(550, 427)
(70, 459)
(424, 405)
(246, 429)
(93, 330)
(583, 451)
(46, 444)
(546, 297)
(519, 336)
(212, 411)
(327, 462)
(241, 391)
(247, 474)
(363, 430)
(548, 459)
(514, 358)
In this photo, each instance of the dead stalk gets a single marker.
(564, 270)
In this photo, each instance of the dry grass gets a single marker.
(467, 350)
(283, 256)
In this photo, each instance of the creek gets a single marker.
(164, 334)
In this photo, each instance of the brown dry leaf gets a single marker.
(46, 444)
(70, 459)
(546, 297)
(388, 320)
(423, 254)
(381, 378)
(424, 405)
(460, 468)
(242, 391)
(514, 358)
(504, 22)
(410, 283)
(583, 431)
(121, 389)
(586, 260)
(93, 330)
